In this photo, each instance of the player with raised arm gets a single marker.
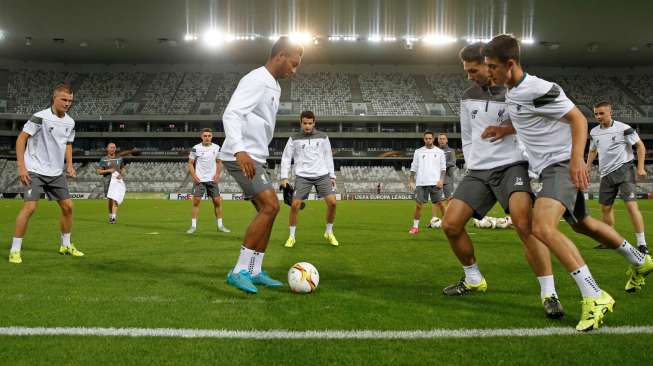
(310, 150)
(43, 149)
(497, 172)
(108, 165)
(426, 178)
(249, 121)
(613, 142)
(205, 167)
(554, 133)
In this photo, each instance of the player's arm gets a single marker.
(191, 170)
(122, 169)
(23, 174)
(465, 131)
(328, 157)
(413, 170)
(70, 169)
(577, 166)
(286, 161)
(243, 101)
(591, 155)
(641, 155)
(218, 170)
(443, 171)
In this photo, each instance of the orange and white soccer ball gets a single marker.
(303, 278)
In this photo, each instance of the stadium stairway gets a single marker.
(629, 93)
(356, 95)
(424, 88)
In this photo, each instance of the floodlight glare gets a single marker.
(438, 39)
(300, 37)
(528, 41)
(213, 38)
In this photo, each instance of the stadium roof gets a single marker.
(592, 33)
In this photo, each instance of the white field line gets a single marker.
(317, 334)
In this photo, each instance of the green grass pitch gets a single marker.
(146, 272)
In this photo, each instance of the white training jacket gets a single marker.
(311, 153)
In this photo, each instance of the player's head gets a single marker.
(603, 112)
(111, 149)
(207, 136)
(428, 137)
(474, 64)
(307, 121)
(502, 55)
(285, 58)
(62, 98)
(443, 140)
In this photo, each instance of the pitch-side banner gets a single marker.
(378, 196)
(236, 196)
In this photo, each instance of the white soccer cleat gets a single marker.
(192, 230)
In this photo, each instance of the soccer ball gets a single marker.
(303, 278)
(503, 222)
(435, 223)
(485, 223)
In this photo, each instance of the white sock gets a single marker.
(219, 222)
(292, 230)
(473, 275)
(193, 222)
(547, 286)
(329, 229)
(641, 240)
(585, 282)
(65, 239)
(16, 244)
(257, 264)
(113, 216)
(245, 260)
(415, 223)
(632, 255)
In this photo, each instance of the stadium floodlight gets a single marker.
(374, 38)
(471, 40)
(389, 39)
(528, 41)
(213, 38)
(274, 37)
(190, 37)
(231, 38)
(2, 34)
(438, 39)
(334, 38)
(300, 37)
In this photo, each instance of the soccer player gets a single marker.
(450, 156)
(554, 132)
(427, 173)
(108, 165)
(249, 121)
(612, 141)
(497, 171)
(310, 150)
(205, 167)
(41, 149)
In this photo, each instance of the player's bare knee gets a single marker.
(66, 208)
(522, 226)
(451, 228)
(542, 231)
(29, 208)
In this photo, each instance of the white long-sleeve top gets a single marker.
(428, 165)
(250, 116)
(311, 153)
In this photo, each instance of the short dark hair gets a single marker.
(110, 142)
(284, 44)
(428, 133)
(64, 88)
(207, 130)
(503, 47)
(603, 103)
(307, 115)
(472, 53)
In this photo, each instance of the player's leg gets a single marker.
(213, 191)
(114, 211)
(194, 212)
(421, 197)
(248, 269)
(66, 247)
(22, 219)
(628, 190)
(330, 237)
(608, 191)
(292, 222)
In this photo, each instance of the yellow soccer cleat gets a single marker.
(593, 309)
(637, 275)
(461, 288)
(14, 257)
(290, 242)
(71, 250)
(331, 239)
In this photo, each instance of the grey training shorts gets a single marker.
(481, 189)
(304, 185)
(422, 194)
(250, 187)
(448, 186)
(56, 188)
(621, 181)
(211, 188)
(557, 184)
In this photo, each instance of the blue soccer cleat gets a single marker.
(242, 281)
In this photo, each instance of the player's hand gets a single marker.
(439, 183)
(71, 171)
(641, 173)
(196, 179)
(333, 182)
(411, 186)
(216, 178)
(494, 133)
(284, 182)
(578, 173)
(246, 164)
(23, 174)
